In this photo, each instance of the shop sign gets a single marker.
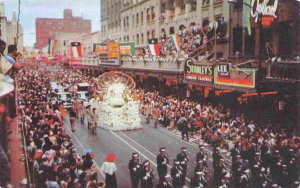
(242, 77)
(151, 59)
(201, 72)
(263, 8)
(223, 70)
(107, 53)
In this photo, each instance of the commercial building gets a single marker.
(139, 20)
(276, 33)
(48, 27)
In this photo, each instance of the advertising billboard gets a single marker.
(198, 72)
(239, 77)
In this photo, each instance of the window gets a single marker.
(237, 39)
(218, 1)
(132, 20)
(205, 2)
(194, 5)
(137, 18)
(238, 5)
(142, 40)
(138, 39)
(171, 30)
(250, 43)
(153, 13)
(153, 33)
(142, 17)
(148, 15)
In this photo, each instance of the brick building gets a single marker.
(48, 27)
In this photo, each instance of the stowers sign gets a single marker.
(202, 72)
(263, 8)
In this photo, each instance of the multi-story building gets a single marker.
(139, 20)
(63, 42)
(281, 37)
(9, 31)
(48, 27)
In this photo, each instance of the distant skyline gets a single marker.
(32, 9)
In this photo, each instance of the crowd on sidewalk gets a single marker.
(262, 155)
(53, 159)
(254, 147)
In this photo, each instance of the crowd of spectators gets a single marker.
(259, 147)
(54, 160)
(191, 39)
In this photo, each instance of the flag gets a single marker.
(154, 46)
(176, 41)
(246, 15)
(75, 49)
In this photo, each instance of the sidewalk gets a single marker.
(16, 154)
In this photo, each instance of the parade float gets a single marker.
(116, 104)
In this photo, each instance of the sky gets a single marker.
(32, 9)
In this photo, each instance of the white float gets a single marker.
(116, 106)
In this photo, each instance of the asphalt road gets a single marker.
(145, 141)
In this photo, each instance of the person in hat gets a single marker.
(162, 161)
(183, 159)
(164, 183)
(225, 182)
(109, 168)
(147, 175)
(219, 170)
(176, 174)
(135, 166)
(201, 154)
(198, 180)
(201, 167)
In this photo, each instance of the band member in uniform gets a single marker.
(176, 174)
(135, 166)
(201, 167)
(198, 180)
(147, 175)
(164, 183)
(162, 161)
(183, 159)
(219, 172)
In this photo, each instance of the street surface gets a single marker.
(145, 141)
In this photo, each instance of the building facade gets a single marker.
(280, 38)
(48, 27)
(9, 30)
(139, 20)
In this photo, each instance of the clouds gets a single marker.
(32, 9)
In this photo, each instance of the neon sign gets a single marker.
(263, 8)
